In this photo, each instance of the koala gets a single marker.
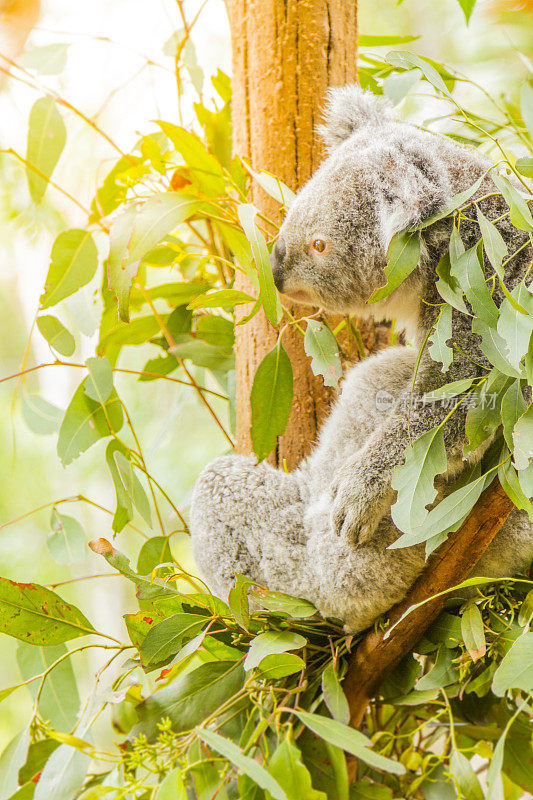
(322, 532)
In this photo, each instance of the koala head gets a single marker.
(381, 176)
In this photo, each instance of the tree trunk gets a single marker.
(286, 53)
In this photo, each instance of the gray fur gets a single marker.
(322, 531)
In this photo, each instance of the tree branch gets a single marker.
(451, 564)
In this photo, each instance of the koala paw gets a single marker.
(356, 510)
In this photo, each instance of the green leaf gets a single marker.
(50, 59)
(364, 790)
(447, 286)
(493, 242)
(449, 390)
(59, 701)
(190, 699)
(321, 346)
(172, 787)
(269, 296)
(470, 276)
(468, 7)
(56, 335)
(516, 668)
(238, 600)
(366, 40)
(40, 416)
(512, 407)
(99, 384)
(137, 331)
(456, 202)
(525, 615)
(39, 616)
(523, 440)
(279, 666)
(85, 422)
(465, 777)
(494, 347)
(204, 168)
(272, 186)
(442, 673)
(526, 106)
(446, 516)
(397, 85)
(46, 139)
(350, 740)
(511, 485)
(153, 552)
(73, 264)
(405, 59)
(515, 328)
(439, 350)
(66, 543)
(205, 774)
(165, 639)
(38, 755)
(520, 214)
(473, 632)
(63, 775)
(334, 696)
(287, 768)
(133, 487)
(403, 255)
(272, 642)
(124, 509)
(136, 232)
(271, 400)
(225, 298)
(244, 763)
(11, 760)
(525, 165)
(424, 459)
(285, 604)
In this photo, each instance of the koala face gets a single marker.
(380, 177)
(329, 252)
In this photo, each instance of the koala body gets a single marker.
(322, 532)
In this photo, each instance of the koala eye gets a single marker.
(319, 245)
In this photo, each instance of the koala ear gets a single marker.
(349, 108)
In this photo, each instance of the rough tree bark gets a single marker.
(286, 53)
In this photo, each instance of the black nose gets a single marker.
(279, 251)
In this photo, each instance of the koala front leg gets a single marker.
(361, 492)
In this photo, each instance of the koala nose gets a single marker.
(279, 251)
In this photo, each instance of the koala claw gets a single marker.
(352, 517)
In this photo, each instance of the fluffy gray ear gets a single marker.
(349, 108)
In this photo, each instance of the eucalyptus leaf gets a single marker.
(46, 139)
(73, 264)
(66, 543)
(271, 400)
(403, 255)
(334, 696)
(85, 422)
(425, 458)
(271, 642)
(438, 348)
(56, 335)
(321, 346)
(269, 297)
(40, 416)
(244, 763)
(39, 616)
(350, 740)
